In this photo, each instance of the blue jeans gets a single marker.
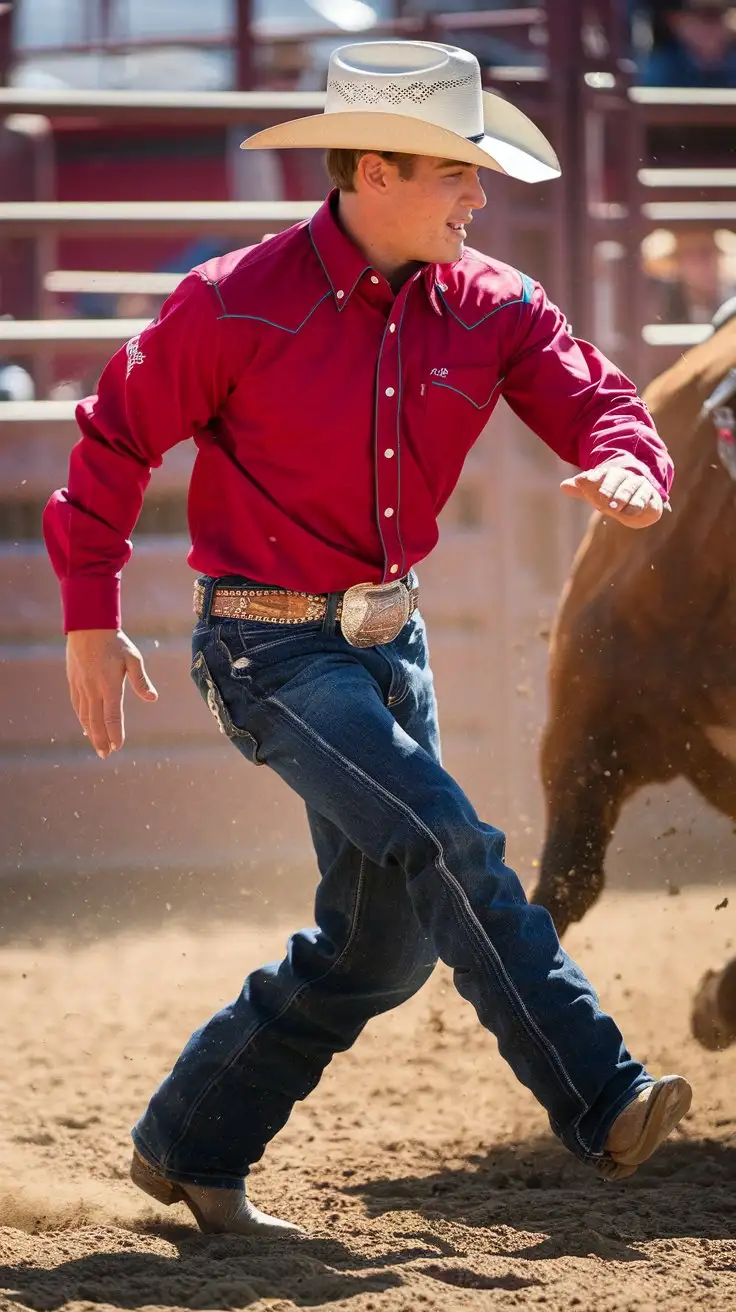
(409, 873)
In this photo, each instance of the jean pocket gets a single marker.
(257, 636)
(241, 738)
(253, 650)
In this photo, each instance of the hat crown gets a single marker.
(421, 98)
(439, 84)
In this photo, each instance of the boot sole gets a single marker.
(666, 1107)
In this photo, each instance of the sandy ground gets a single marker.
(426, 1178)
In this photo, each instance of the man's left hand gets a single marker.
(618, 494)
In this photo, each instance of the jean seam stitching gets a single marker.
(544, 1044)
(292, 998)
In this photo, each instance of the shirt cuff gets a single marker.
(91, 601)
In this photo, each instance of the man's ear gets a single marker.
(373, 171)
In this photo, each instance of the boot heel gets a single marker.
(155, 1185)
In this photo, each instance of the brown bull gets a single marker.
(643, 664)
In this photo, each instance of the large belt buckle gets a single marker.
(374, 613)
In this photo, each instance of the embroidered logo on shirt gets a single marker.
(438, 373)
(135, 356)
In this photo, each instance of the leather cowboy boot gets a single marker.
(643, 1126)
(216, 1211)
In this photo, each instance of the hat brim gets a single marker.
(511, 143)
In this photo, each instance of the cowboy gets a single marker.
(334, 379)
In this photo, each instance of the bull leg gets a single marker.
(712, 770)
(584, 800)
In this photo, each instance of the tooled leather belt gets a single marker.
(368, 613)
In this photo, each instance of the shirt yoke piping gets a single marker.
(259, 318)
(518, 300)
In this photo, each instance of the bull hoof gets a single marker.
(713, 1016)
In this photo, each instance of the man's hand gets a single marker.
(97, 663)
(618, 494)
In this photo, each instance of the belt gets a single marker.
(369, 613)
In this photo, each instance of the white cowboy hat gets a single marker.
(418, 98)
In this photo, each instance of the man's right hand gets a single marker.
(97, 663)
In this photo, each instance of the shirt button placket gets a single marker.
(386, 446)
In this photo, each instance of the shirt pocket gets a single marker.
(458, 407)
(464, 390)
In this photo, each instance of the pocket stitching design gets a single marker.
(298, 631)
(477, 405)
(216, 705)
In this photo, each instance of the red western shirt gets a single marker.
(331, 416)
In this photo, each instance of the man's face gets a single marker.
(704, 31)
(432, 208)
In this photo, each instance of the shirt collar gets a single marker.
(343, 263)
(340, 258)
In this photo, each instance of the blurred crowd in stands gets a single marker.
(672, 43)
(684, 43)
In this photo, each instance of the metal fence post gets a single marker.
(244, 69)
(6, 42)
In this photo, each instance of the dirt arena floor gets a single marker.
(425, 1177)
